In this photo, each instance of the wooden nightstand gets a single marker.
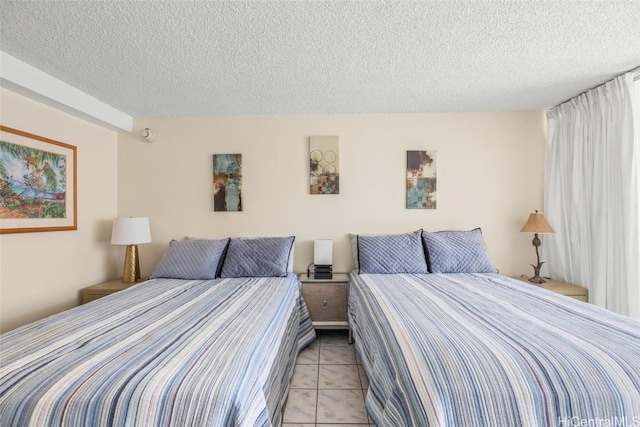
(568, 289)
(326, 300)
(100, 290)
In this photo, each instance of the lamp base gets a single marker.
(537, 279)
(536, 274)
(131, 272)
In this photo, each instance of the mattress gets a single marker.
(164, 352)
(487, 350)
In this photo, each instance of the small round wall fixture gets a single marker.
(147, 135)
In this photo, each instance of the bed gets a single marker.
(169, 351)
(481, 349)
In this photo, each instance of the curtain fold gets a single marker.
(592, 195)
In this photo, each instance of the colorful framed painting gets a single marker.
(324, 165)
(227, 182)
(421, 180)
(37, 183)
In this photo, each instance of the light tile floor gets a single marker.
(328, 385)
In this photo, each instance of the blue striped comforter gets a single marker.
(486, 350)
(164, 352)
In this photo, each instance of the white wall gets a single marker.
(41, 273)
(490, 175)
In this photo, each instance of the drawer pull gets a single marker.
(324, 304)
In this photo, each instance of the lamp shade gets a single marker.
(130, 231)
(537, 224)
(323, 252)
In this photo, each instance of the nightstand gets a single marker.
(326, 300)
(568, 289)
(100, 290)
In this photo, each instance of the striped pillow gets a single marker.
(191, 259)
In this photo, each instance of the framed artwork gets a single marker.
(324, 165)
(421, 180)
(37, 183)
(227, 182)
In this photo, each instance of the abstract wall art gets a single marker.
(421, 180)
(37, 183)
(324, 165)
(227, 182)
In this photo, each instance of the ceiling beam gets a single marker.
(27, 80)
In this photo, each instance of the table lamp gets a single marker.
(323, 259)
(537, 224)
(131, 232)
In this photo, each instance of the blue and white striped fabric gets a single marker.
(486, 350)
(166, 352)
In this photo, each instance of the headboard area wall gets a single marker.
(489, 175)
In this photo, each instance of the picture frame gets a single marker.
(38, 183)
(421, 179)
(324, 165)
(227, 182)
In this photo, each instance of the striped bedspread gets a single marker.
(487, 350)
(165, 352)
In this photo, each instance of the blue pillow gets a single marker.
(191, 259)
(395, 253)
(289, 262)
(457, 252)
(260, 257)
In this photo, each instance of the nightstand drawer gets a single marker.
(326, 302)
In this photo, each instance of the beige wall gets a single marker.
(490, 175)
(41, 273)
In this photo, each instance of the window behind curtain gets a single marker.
(636, 110)
(637, 85)
(637, 107)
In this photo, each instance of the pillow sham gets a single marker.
(389, 254)
(191, 259)
(353, 241)
(258, 257)
(457, 252)
(289, 262)
(291, 259)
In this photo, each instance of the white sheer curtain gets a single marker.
(592, 195)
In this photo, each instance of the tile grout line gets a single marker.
(322, 344)
(315, 420)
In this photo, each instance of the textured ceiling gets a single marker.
(190, 58)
